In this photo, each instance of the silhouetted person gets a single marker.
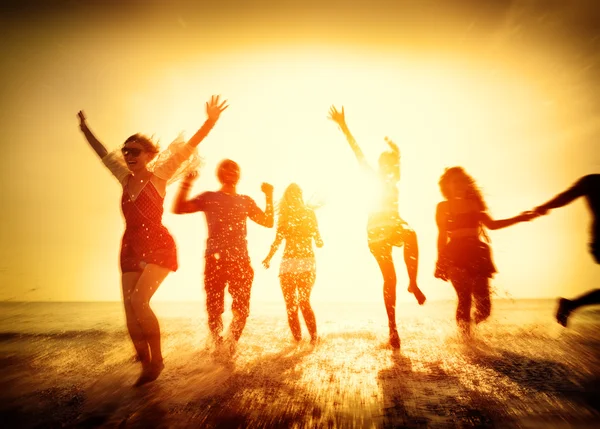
(385, 227)
(227, 262)
(463, 258)
(148, 251)
(297, 225)
(588, 187)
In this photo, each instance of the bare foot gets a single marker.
(149, 373)
(394, 338)
(414, 289)
(563, 311)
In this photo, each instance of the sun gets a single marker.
(277, 129)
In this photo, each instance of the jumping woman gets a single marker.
(148, 252)
(385, 227)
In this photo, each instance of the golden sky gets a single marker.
(508, 91)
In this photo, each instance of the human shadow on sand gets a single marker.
(264, 393)
(432, 398)
(541, 375)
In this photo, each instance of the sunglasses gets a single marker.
(135, 152)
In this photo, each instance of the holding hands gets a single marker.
(541, 210)
(528, 215)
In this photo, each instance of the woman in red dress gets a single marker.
(148, 250)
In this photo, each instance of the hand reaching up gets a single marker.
(81, 117)
(214, 109)
(337, 116)
(392, 145)
(189, 178)
(267, 188)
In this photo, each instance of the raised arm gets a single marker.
(316, 233)
(90, 137)
(564, 198)
(213, 111)
(182, 203)
(179, 153)
(265, 218)
(339, 118)
(504, 223)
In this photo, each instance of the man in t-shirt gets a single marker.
(588, 187)
(226, 258)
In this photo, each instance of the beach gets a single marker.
(71, 365)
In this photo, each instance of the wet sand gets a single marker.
(524, 373)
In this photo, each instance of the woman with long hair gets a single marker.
(463, 257)
(385, 228)
(297, 225)
(148, 252)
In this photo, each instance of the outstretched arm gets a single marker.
(182, 203)
(213, 111)
(265, 218)
(339, 118)
(90, 137)
(562, 199)
(504, 223)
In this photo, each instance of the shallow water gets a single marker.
(69, 364)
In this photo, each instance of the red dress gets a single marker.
(146, 240)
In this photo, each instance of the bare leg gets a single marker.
(149, 281)
(289, 289)
(463, 309)
(483, 303)
(566, 306)
(128, 282)
(305, 285)
(411, 259)
(388, 271)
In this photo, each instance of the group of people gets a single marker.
(148, 251)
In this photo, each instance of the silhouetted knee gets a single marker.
(305, 306)
(138, 304)
(410, 238)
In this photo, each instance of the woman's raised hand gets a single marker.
(392, 145)
(81, 117)
(337, 116)
(214, 109)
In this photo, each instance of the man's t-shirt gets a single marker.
(226, 220)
